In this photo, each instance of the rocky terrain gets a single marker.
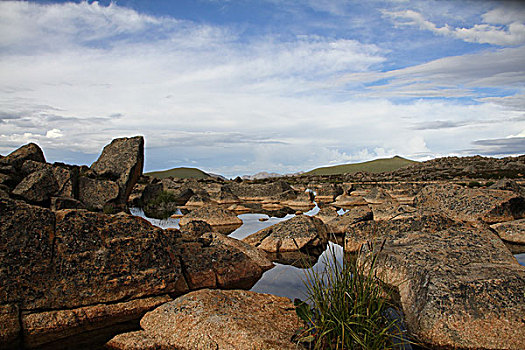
(74, 262)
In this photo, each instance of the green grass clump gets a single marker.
(346, 309)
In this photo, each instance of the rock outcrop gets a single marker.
(459, 287)
(339, 225)
(216, 319)
(513, 234)
(121, 161)
(471, 204)
(300, 232)
(85, 262)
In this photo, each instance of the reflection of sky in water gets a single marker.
(251, 224)
(288, 281)
(520, 258)
(166, 223)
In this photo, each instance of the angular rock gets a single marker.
(30, 151)
(37, 187)
(300, 232)
(220, 219)
(196, 228)
(339, 225)
(278, 190)
(471, 204)
(95, 194)
(326, 193)
(512, 232)
(459, 287)
(65, 176)
(44, 327)
(216, 319)
(122, 161)
(508, 185)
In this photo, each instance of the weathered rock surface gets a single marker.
(368, 231)
(220, 219)
(377, 195)
(37, 187)
(339, 225)
(346, 200)
(511, 231)
(52, 262)
(122, 161)
(95, 193)
(44, 327)
(471, 204)
(459, 287)
(216, 319)
(327, 213)
(300, 232)
(196, 228)
(392, 211)
(10, 330)
(326, 193)
(278, 190)
(17, 158)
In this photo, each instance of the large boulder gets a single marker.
(300, 232)
(121, 161)
(216, 319)
(220, 219)
(471, 204)
(367, 231)
(459, 287)
(70, 271)
(17, 158)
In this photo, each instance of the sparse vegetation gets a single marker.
(181, 173)
(374, 166)
(346, 308)
(162, 206)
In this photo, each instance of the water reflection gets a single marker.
(520, 258)
(162, 223)
(288, 281)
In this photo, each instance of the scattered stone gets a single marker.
(471, 204)
(122, 161)
(459, 287)
(264, 219)
(216, 319)
(300, 232)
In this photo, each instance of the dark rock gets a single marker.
(122, 161)
(459, 287)
(471, 204)
(300, 232)
(10, 330)
(216, 319)
(37, 187)
(30, 151)
(59, 203)
(196, 228)
(95, 194)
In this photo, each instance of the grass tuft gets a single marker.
(346, 308)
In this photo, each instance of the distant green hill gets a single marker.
(373, 166)
(181, 173)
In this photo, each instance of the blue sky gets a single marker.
(240, 86)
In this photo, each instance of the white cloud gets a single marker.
(503, 26)
(54, 134)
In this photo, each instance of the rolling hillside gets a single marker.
(373, 166)
(182, 173)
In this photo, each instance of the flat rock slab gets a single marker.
(511, 231)
(459, 287)
(220, 219)
(216, 319)
(299, 232)
(339, 224)
(471, 204)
